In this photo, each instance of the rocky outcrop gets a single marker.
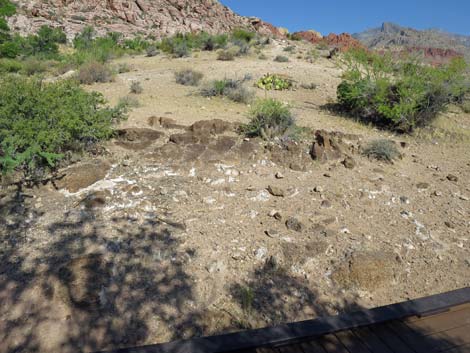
(157, 18)
(343, 41)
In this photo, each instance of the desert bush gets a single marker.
(310, 86)
(262, 57)
(281, 59)
(32, 66)
(398, 94)
(126, 103)
(136, 87)
(465, 107)
(290, 48)
(384, 150)
(152, 51)
(227, 54)
(39, 122)
(242, 35)
(123, 68)
(274, 82)
(93, 72)
(188, 77)
(232, 89)
(268, 118)
(10, 65)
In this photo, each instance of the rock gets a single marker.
(216, 266)
(272, 233)
(326, 147)
(188, 138)
(84, 278)
(405, 200)
(326, 204)
(318, 189)
(366, 271)
(449, 224)
(96, 199)
(294, 224)
(279, 175)
(272, 263)
(422, 186)
(276, 215)
(163, 122)
(82, 175)
(276, 191)
(261, 253)
(137, 139)
(437, 193)
(453, 178)
(214, 127)
(349, 162)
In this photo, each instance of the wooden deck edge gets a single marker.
(295, 332)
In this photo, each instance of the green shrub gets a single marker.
(40, 122)
(399, 95)
(227, 54)
(385, 150)
(152, 51)
(281, 59)
(466, 107)
(274, 82)
(10, 66)
(33, 65)
(262, 57)
(243, 35)
(232, 89)
(268, 118)
(93, 72)
(290, 48)
(188, 77)
(136, 87)
(128, 102)
(123, 68)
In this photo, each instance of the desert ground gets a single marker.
(172, 232)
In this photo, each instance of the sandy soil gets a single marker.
(178, 240)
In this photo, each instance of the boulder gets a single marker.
(326, 147)
(136, 138)
(214, 127)
(82, 175)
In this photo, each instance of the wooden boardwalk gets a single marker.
(439, 323)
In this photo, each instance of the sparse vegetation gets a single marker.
(309, 86)
(188, 77)
(384, 150)
(227, 54)
(274, 82)
(268, 118)
(136, 87)
(94, 72)
(152, 51)
(399, 95)
(281, 59)
(40, 122)
(290, 48)
(232, 89)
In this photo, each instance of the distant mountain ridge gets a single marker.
(393, 36)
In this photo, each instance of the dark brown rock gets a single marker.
(82, 175)
(294, 224)
(214, 127)
(326, 147)
(136, 138)
(349, 162)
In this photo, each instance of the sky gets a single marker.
(353, 16)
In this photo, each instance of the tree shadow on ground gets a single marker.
(99, 291)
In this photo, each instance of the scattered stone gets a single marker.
(405, 200)
(349, 162)
(449, 225)
(327, 175)
(261, 253)
(294, 224)
(272, 263)
(83, 175)
(276, 215)
(422, 186)
(453, 178)
(328, 221)
(326, 204)
(437, 193)
(272, 233)
(276, 191)
(279, 175)
(214, 127)
(318, 189)
(96, 199)
(216, 266)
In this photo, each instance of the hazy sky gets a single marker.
(354, 16)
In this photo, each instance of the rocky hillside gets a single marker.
(131, 17)
(431, 43)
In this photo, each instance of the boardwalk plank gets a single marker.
(412, 338)
(442, 322)
(331, 344)
(352, 343)
(452, 338)
(371, 340)
(312, 347)
(291, 349)
(462, 349)
(391, 339)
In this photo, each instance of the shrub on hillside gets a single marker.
(93, 72)
(268, 118)
(152, 51)
(40, 122)
(188, 77)
(384, 150)
(232, 89)
(281, 59)
(136, 87)
(243, 35)
(227, 54)
(399, 95)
